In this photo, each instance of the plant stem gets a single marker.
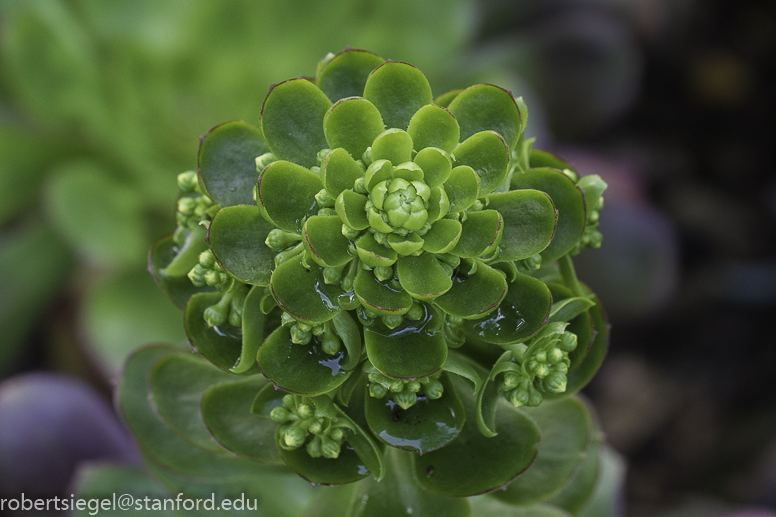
(566, 267)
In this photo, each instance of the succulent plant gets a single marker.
(398, 267)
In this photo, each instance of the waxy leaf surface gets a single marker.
(423, 277)
(473, 296)
(412, 350)
(380, 297)
(237, 236)
(398, 90)
(474, 464)
(300, 368)
(522, 312)
(292, 121)
(303, 293)
(346, 73)
(227, 162)
(568, 200)
(324, 240)
(434, 126)
(352, 123)
(486, 107)
(426, 426)
(529, 222)
(286, 194)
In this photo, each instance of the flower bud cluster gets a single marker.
(193, 206)
(312, 421)
(286, 244)
(303, 333)
(368, 317)
(403, 392)
(539, 367)
(208, 272)
(591, 237)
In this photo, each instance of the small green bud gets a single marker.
(264, 160)
(377, 390)
(517, 397)
(595, 239)
(511, 379)
(413, 386)
(541, 370)
(556, 382)
(541, 357)
(454, 320)
(568, 342)
(533, 263)
(322, 155)
(305, 411)
(337, 434)
(314, 447)
(278, 239)
(433, 389)
(349, 232)
(235, 318)
(293, 437)
(367, 156)
(330, 448)
(555, 355)
(571, 174)
(405, 399)
(286, 319)
(186, 205)
(331, 344)
(188, 182)
(380, 237)
(288, 254)
(396, 385)
(416, 312)
(288, 402)
(534, 397)
(316, 426)
(358, 185)
(214, 316)
(279, 414)
(392, 321)
(318, 330)
(299, 336)
(383, 273)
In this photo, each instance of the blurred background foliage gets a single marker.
(670, 101)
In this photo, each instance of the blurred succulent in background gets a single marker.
(398, 267)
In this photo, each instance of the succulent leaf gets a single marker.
(398, 90)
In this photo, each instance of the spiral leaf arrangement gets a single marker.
(384, 282)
